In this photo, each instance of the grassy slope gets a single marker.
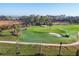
(6, 35)
(7, 49)
(33, 49)
(10, 49)
(48, 50)
(40, 34)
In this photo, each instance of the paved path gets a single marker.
(44, 44)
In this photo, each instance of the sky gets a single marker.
(20, 9)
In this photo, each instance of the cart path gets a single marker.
(44, 44)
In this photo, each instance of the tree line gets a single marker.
(43, 20)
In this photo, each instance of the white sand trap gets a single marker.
(56, 35)
(44, 25)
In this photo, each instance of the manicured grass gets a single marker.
(41, 34)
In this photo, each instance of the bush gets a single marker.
(65, 35)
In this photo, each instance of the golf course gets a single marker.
(47, 38)
(38, 29)
(42, 34)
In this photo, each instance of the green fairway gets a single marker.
(41, 34)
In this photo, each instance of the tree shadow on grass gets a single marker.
(38, 54)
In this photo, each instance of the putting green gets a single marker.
(40, 34)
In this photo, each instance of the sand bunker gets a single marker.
(56, 35)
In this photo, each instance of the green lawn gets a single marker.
(41, 34)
